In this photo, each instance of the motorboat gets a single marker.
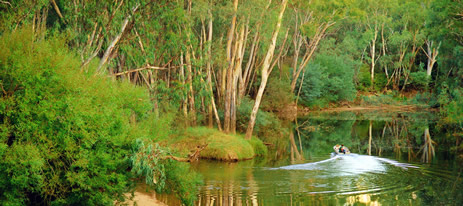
(341, 150)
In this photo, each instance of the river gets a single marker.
(398, 159)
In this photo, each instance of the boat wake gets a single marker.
(307, 166)
(351, 164)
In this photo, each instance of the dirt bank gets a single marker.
(388, 108)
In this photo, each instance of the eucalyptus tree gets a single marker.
(239, 32)
(311, 23)
(265, 71)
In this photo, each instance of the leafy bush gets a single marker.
(66, 136)
(278, 92)
(268, 127)
(259, 148)
(380, 81)
(220, 146)
(453, 111)
(419, 79)
(165, 175)
(387, 99)
(364, 80)
(312, 86)
(424, 98)
(328, 79)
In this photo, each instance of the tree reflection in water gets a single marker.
(427, 149)
(400, 160)
(396, 134)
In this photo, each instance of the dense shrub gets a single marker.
(364, 79)
(453, 111)
(220, 146)
(268, 127)
(66, 136)
(165, 175)
(278, 91)
(419, 79)
(387, 99)
(328, 79)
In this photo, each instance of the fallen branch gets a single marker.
(145, 67)
(55, 6)
(3, 89)
(180, 159)
(191, 157)
(139, 69)
(5, 2)
(268, 144)
(115, 40)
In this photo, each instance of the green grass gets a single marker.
(221, 146)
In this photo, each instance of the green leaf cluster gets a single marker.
(66, 135)
(329, 78)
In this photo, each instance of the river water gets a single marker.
(398, 159)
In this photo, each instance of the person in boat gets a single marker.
(341, 149)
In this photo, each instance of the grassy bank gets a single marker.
(220, 146)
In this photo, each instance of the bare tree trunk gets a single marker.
(265, 74)
(310, 49)
(57, 9)
(115, 40)
(370, 136)
(229, 71)
(185, 98)
(384, 51)
(294, 146)
(282, 48)
(209, 72)
(152, 80)
(431, 53)
(428, 147)
(247, 72)
(191, 97)
(236, 74)
(89, 44)
(372, 54)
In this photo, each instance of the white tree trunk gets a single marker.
(265, 73)
(115, 40)
(431, 53)
(372, 53)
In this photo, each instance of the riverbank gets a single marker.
(208, 143)
(409, 102)
(388, 108)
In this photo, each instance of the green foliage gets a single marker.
(380, 81)
(327, 79)
(278, 91)
(419, 79)
(424, 98)
(325, 133)
(453, 111)
(364, 82)
(364, 79)
(66, 135)
(268, 127)
(165, 175)
(78, 124)
(387, 99)
(183, 181)
(259, 148)
(220, 146)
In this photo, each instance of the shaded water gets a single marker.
(399, 159)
